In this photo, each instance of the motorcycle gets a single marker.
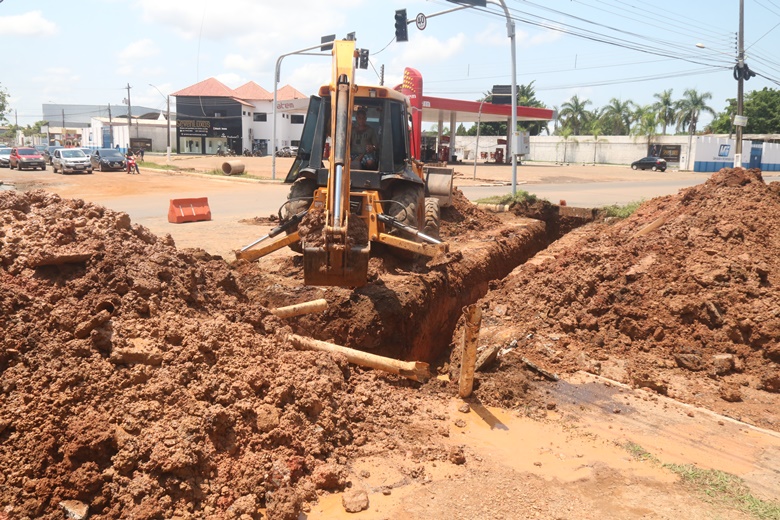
(132, 167)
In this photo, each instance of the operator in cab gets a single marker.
(363, 143)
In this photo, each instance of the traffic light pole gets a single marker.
(510, 29)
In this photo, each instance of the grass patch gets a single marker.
(622, 211)
(726, 489)
(717, 486)
(639, 453)
(157, 166)
(517, 198)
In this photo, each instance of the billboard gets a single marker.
(669, 152)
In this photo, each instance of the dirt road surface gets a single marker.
(142, 379)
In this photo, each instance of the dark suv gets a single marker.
(649, 163)
(26, 158)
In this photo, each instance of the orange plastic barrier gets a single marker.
(189, 210)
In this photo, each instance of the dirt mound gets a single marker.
(136, 379)
(682, 298)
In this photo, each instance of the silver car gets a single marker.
(5, 157)
(70, 160)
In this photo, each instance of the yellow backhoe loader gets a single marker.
(333, 214)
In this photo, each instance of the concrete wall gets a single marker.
(577, 149)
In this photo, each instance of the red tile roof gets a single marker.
(207, 88)
(252, 90)
(287, 92)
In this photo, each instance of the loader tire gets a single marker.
(300, 197)
(408, 207)
(432, 217)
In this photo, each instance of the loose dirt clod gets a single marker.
(688, 309)
(145, 381)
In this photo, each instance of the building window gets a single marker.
(260, 116)
(296, 119)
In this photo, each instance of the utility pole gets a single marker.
(129, 117)
(168, 148)
(62, 132)
(110, 127)
(740, 83)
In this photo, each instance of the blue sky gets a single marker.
(87, 51)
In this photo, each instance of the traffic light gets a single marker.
(363, 60)
(400, 26)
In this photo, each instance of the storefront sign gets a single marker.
(193, 127)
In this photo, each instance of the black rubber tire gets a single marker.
(53, 169)
(300, 197)
(100, 167)
(432, 217)
(408, 206)
(654, 168)
(633, 166)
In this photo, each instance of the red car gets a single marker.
(26, 158)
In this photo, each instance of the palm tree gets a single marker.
(646, 120)
(573, 114)
(595, 130)
(690, 108)
(566, 133)
(618, 116)
(526, 97)
(665, 108)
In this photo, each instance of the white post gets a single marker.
(476, 145)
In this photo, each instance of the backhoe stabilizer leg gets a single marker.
(429, 250)
(390, 221)
(268, 247)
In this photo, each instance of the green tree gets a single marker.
(617, 116)
(646, 119)
(596, 131)
(526, 97)
(566, 133)
(722, 123)
(690, 108)
(665, 108)
(574, 114)
(762, 108)
(3, 104)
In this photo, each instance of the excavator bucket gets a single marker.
(336, 266)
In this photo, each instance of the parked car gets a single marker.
(107, 159)
(26, 158)
(649, 163)
(49, 152)
(71, 160)
(287, 151)
(5, 157)
(40, 147)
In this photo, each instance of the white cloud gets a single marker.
(430, 50)
(28, 24)
(138, 51)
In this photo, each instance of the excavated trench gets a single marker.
(409, 312)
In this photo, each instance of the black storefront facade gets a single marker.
(204, 124)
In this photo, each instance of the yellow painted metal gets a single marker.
(268, 247)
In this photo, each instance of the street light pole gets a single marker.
(276, 84)
(168, 101)
(510, 29)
